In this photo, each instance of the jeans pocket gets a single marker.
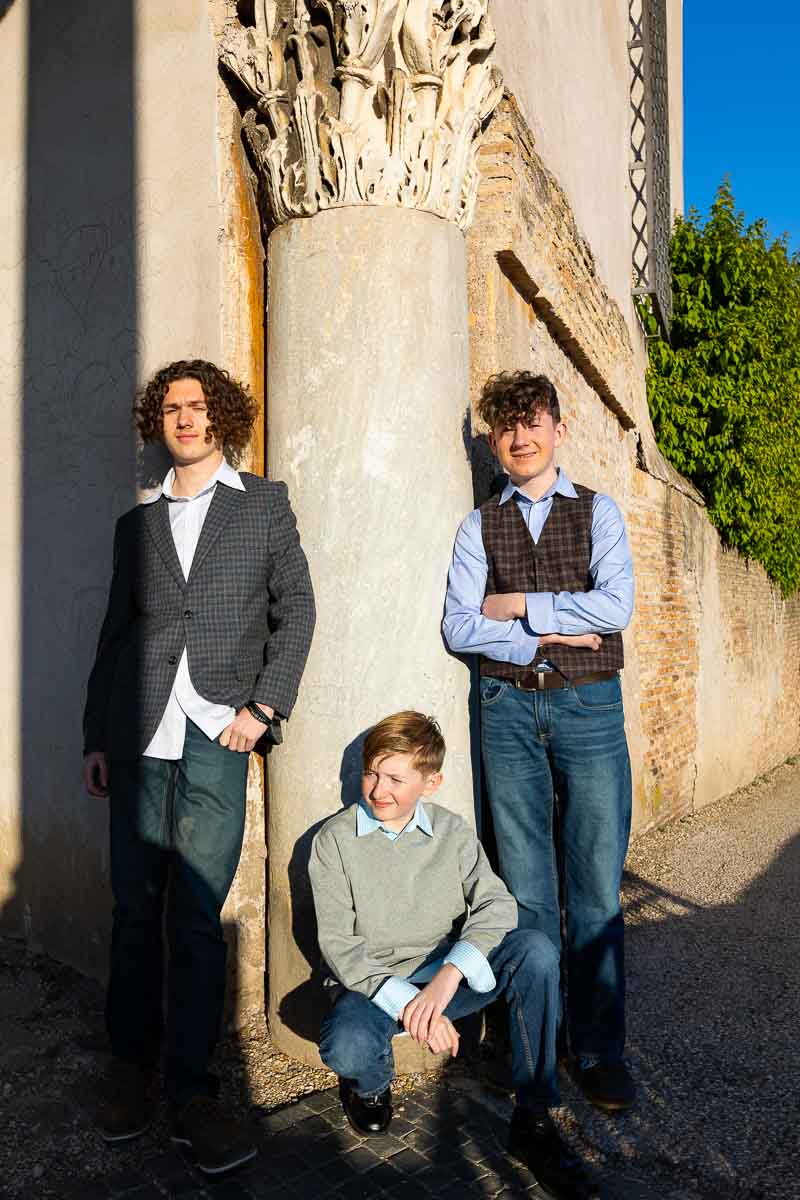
(606, 694)
(493, 690)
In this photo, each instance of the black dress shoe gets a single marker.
(367, 1115)
(608, 1085)
(560, 1173)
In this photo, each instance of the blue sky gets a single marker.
(742, 107)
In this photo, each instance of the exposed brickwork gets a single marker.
(667, 630)
(711, 681)
(524, 221)
(763, 641)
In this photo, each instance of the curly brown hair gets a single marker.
(515, 395)
(232, 410)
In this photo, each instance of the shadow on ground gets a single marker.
(712, 1042)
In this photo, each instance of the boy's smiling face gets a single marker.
(391, 787)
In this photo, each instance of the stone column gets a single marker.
(363, 132)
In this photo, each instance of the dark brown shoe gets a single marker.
(128, 1096)
(561, 1174)
(217, 1141)
(607, 1085)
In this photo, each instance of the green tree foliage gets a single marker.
(725, 395)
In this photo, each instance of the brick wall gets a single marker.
(666, 629)
(711, 680)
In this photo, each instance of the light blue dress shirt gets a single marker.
(607, 608)
(393, 995)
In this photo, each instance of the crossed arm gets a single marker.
(511, 627)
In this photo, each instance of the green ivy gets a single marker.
(725, 394)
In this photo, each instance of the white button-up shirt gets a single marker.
(186, 517)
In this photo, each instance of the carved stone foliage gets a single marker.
(365, 102)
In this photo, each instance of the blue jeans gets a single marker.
(176, 829)
(569, 742)
(356, 1036)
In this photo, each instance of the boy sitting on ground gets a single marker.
(417, 932)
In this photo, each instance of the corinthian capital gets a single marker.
(365, 102)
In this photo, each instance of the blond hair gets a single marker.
(406, 732)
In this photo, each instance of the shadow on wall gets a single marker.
(303, 1009)
(77, 444)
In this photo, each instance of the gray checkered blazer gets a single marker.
(246, 615)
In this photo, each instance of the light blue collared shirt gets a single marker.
(393, 995)
(367, 823)
(607, 608)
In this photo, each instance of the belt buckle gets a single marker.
(538, 686)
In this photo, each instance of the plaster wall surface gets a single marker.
(567, 65)
(111, 267)
(13, 65)
(568, 68)
(676, 137)
(178, 205)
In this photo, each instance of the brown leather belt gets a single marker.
(536, 681)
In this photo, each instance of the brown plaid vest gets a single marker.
(558, 562)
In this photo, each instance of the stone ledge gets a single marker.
(525, 221)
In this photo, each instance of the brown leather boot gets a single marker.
(128, 1097)
(217, 1141)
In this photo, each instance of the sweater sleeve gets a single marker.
(344, 951)
(492, 910)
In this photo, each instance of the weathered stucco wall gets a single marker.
(568, 68)
(112, 266)
(567, 65)
(675, 84)
(73, 351)
(13, 66)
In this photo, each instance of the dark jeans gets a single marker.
(356, 1036)
(176, 830)
(570, 740)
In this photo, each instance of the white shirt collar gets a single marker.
(223, 474)
(563, 485)
(367, 823)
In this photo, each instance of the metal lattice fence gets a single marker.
(649, 166)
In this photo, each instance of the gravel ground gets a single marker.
(713, 968)
(53, 1050)
(713, 948)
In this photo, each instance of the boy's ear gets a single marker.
(432, 784)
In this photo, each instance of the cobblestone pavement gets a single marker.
(441, 1144)
(713, 941)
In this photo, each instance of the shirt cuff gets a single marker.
(473, 965)
(541, 610)
(393, 995)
